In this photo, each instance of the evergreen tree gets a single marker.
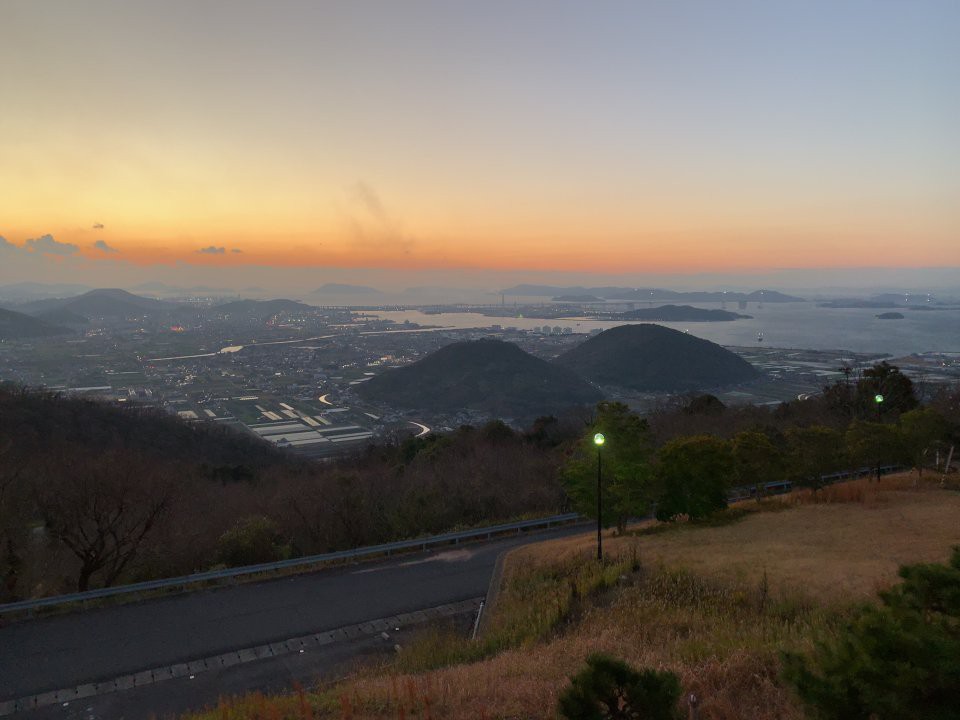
(694, 474)
(896, 661)
(626, 468)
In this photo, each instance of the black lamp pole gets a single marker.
(598, 440)
(878, 399)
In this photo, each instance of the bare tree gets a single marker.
(102, 508)
(13, 518)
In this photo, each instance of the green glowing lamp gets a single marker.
(878, 398)
(599, 439)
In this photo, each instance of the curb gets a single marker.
(277, 648)
(493, 593)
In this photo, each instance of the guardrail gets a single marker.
(782, 487)
(736, 494)
(229, 573)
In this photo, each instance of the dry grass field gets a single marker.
(713, 604)
(844, 542)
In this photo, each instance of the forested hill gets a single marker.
(489, 376)
(656, 358)
(43, 424)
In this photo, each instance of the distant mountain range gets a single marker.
(24, 291)
(261, 309)
(652, 358)
(489, 376)
(16, 325)
(651, 294)
(106, 303)
(679, 313)
(341, 289)
(164, 289)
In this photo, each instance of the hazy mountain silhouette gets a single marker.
(652, 294)
(655, 358)
(108, 302)
(62, 316)
(16, 325)
(261, 308)
(489, 376)
(341, 289)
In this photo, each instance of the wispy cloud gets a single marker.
(373, 225)
(98, 226)
(102, 245)
(48, 246)
(212, 250)
(236, 250)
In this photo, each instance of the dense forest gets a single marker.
(94, 494)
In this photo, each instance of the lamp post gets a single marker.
(598, 440)
(878, 400)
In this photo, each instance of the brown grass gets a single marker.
(713, 604)
(821, 548)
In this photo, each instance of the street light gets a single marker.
(878, 399)
(598, 440)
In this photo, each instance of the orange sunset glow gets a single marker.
(648, 140)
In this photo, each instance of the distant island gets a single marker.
(578, 299)
(890, 316)
(678, 313)
(651, 294)
(856, 304)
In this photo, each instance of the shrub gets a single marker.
(897, 661)
(253, 540)
(610, 688)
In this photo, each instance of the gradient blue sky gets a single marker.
(603, 137)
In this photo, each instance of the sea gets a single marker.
(801, 325)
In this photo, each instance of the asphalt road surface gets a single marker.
(99, 645)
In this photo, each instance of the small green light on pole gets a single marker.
(598, 440)
(878, 399)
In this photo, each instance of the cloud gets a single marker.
(236, 250)
(212, 250)
(6, 244)
(98, 226)
(48, 246)
(102, 245)
(374, 226)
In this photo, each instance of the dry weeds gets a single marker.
(821, 548)
(713, 604)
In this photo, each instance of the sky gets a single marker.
(455, 139)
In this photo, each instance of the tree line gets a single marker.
(94, 494)
(682, 460)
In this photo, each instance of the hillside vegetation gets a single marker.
(489, 376)
(93, 494)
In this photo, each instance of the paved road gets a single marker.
(59, 652)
